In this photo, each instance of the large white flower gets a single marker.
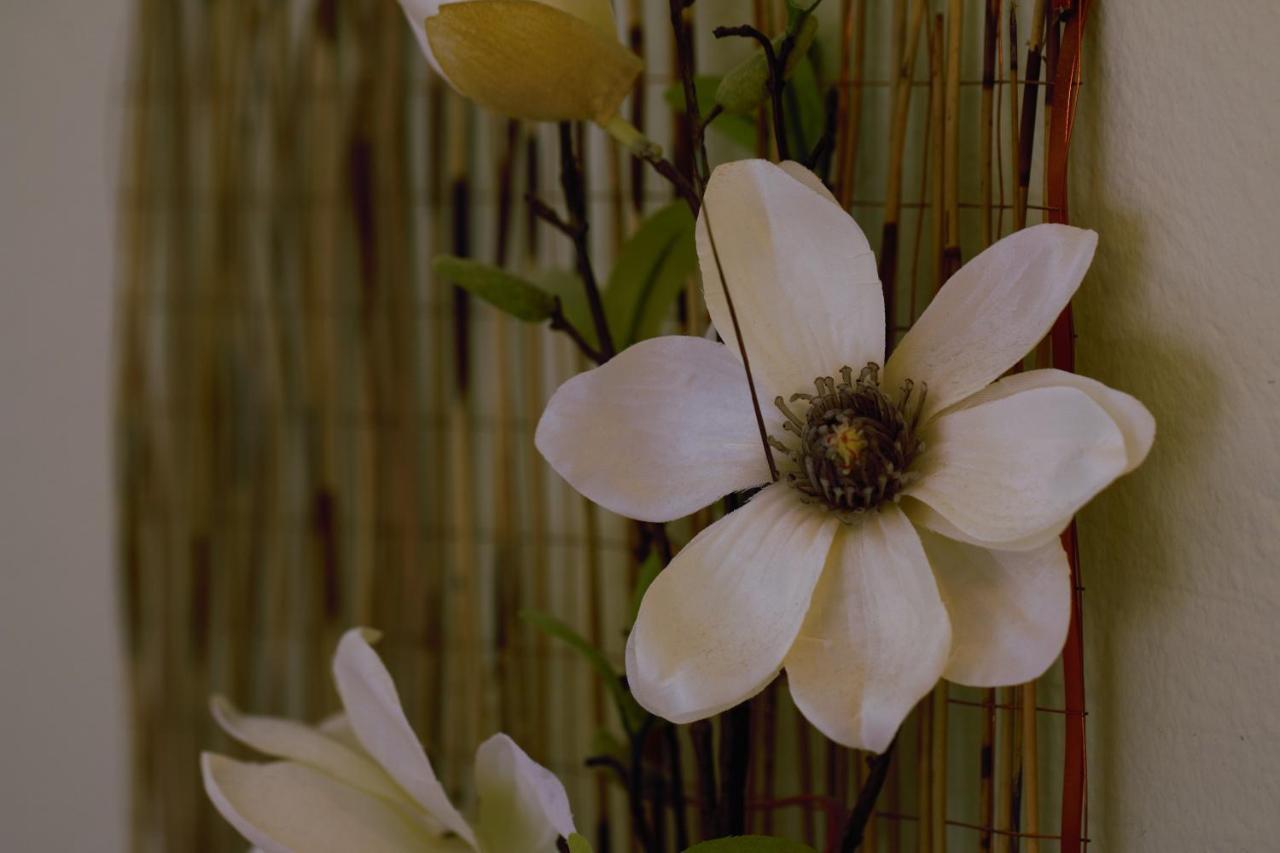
(544, 60)
(361, 781)
(914, 532)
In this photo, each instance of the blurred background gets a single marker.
(240, 415)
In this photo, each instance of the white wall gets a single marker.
(1177, 165)
(63, 773)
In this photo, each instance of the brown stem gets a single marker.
(684, 57)
(855, 827)
(704, 758)
(677, 786)
(776, 80)
(735, 755)
(575, 195)
(560, 323)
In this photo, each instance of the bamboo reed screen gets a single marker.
(315, 434)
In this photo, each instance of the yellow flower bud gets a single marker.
(543, 60)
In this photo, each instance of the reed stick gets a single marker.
(924, 769)
(1030, 769)
(936, 148)
(938, 779)
(853, 47)
(1004, 785)
(1027, 132)
(1019, 219)
(950, 173)
(986, 771)
(897, 150)
(986, 120)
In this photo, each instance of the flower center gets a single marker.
(852, 447)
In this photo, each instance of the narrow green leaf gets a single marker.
(751, 844)
(649, 570)
(578, 844)
(805, 108)
(501, 289)
(630, 711)
(650, 271)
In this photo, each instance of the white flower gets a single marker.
(912, 535)
(362, 782)
(544, 60)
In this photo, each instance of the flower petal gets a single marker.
(1009, 609)
(531, 60)
(282, 738)
(992, 312)
(802, 276)
(809, 179)
(662, 429)
(373, 706)
(876, 638)
(283, 807)
(523, 806)
(1131, 417)
(715, 625)
(1014, 470)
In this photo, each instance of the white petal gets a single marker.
(809, 179)
(373, 706)
(992, 312)
(662, 429)
(716, 623)
(877, 636)
(1013, 471)
(284, 807)
(281, 738)
(1009, 609)
(523, 806)
(1131, 417)
(802, 276)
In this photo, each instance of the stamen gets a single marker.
(853, 445)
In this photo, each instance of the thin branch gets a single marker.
(776, 80)
(742, 346)
(547, 214)
(560, 323)
(576, 200)
(855, 828)
(684, 57)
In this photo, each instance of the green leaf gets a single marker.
(650, 272)
(629, 710)
(578, 844)
(805, 109)
(750, 844)
(649, 570)
(501, 289)
(739, 129)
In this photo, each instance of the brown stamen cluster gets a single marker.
(855, 445)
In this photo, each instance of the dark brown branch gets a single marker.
(560, 323)
(776, 79)
(735, 755)
(571, 181)
(684, 57)
(855, 828)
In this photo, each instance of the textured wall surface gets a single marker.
(1177, 165)
(63, 778)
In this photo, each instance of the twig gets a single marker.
(776, 79)
(672, 743)
(897, 151)
(855, 827)
(991, 34)
(684, 58)
(576, 200)
(704, 764)
(735, 754)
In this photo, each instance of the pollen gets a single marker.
(850, 446)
